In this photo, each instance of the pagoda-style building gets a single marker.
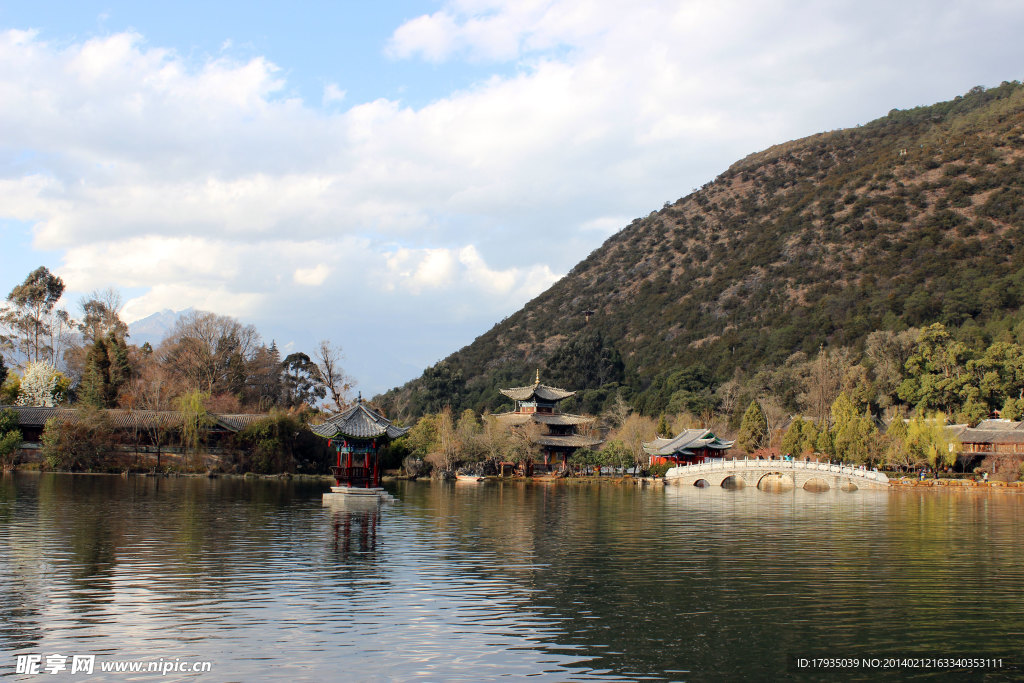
(538, 403)
(356, 435)
(689, 447)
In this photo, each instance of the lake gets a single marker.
(457, 581)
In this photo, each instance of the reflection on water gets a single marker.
(561, 581)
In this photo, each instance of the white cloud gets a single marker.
(312, 277)
(332, 93)
(205, 184)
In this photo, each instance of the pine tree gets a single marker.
(753, 429)
(663, 428)
(793, 439)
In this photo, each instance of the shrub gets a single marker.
(78, 443)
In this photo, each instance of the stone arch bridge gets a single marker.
(816, 475)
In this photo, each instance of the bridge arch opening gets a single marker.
(848, 486)
(816, 485)
(776, 482)
(701, 483)
(733, 481)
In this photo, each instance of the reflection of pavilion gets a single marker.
(354, 522)
(559, 432)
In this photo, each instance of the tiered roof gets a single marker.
(358, 422)
(559, 419)
(688, 441)
(567, 440)
(537, 392)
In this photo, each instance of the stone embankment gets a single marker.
(956, 483)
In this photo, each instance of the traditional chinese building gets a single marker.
(995, 446)
(689, 447)
(559, 435)
(356, 435)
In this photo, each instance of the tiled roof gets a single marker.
(991, 436)
(686, 442)
(536, 391)
(36, 416)
(358, 422)
(568, 440)
(1000, 425)
(544, 418)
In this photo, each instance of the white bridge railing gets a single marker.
(738, 465)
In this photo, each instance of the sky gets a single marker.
(398, 177)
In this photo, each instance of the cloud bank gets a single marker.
(205, 184)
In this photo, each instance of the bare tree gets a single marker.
(495, 440)
(331, 375)
(101, 314)
(775, 415)
(209, 352)
(634, 430)
(617, 412)
(822, 382)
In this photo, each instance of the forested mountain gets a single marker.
(912, 219)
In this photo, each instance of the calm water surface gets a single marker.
(479, 582)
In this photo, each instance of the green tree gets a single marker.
(793, 439)
(936, 371)
(469, 432)
(107, 370)
(811, 434)
(300, 383)
(194, 422)
(753, 429)
(998, 373)
(855, 437)
(898, 452)
(929, 441)
(10, 438)
(422, 439)
(78, 443)
(271, 441)
(663, 429)
(1012, 409)
(617, 454)
(587, 360)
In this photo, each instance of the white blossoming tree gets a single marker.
(42, 385)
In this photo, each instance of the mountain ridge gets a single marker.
(909, 219)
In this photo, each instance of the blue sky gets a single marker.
(398, 178)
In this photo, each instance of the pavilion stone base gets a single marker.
(346, 493)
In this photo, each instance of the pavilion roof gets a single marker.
(358, 422)
(563, 419)
(536, 391)
(567, 440)
(686, 442)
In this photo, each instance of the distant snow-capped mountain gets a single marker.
(153, 328)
